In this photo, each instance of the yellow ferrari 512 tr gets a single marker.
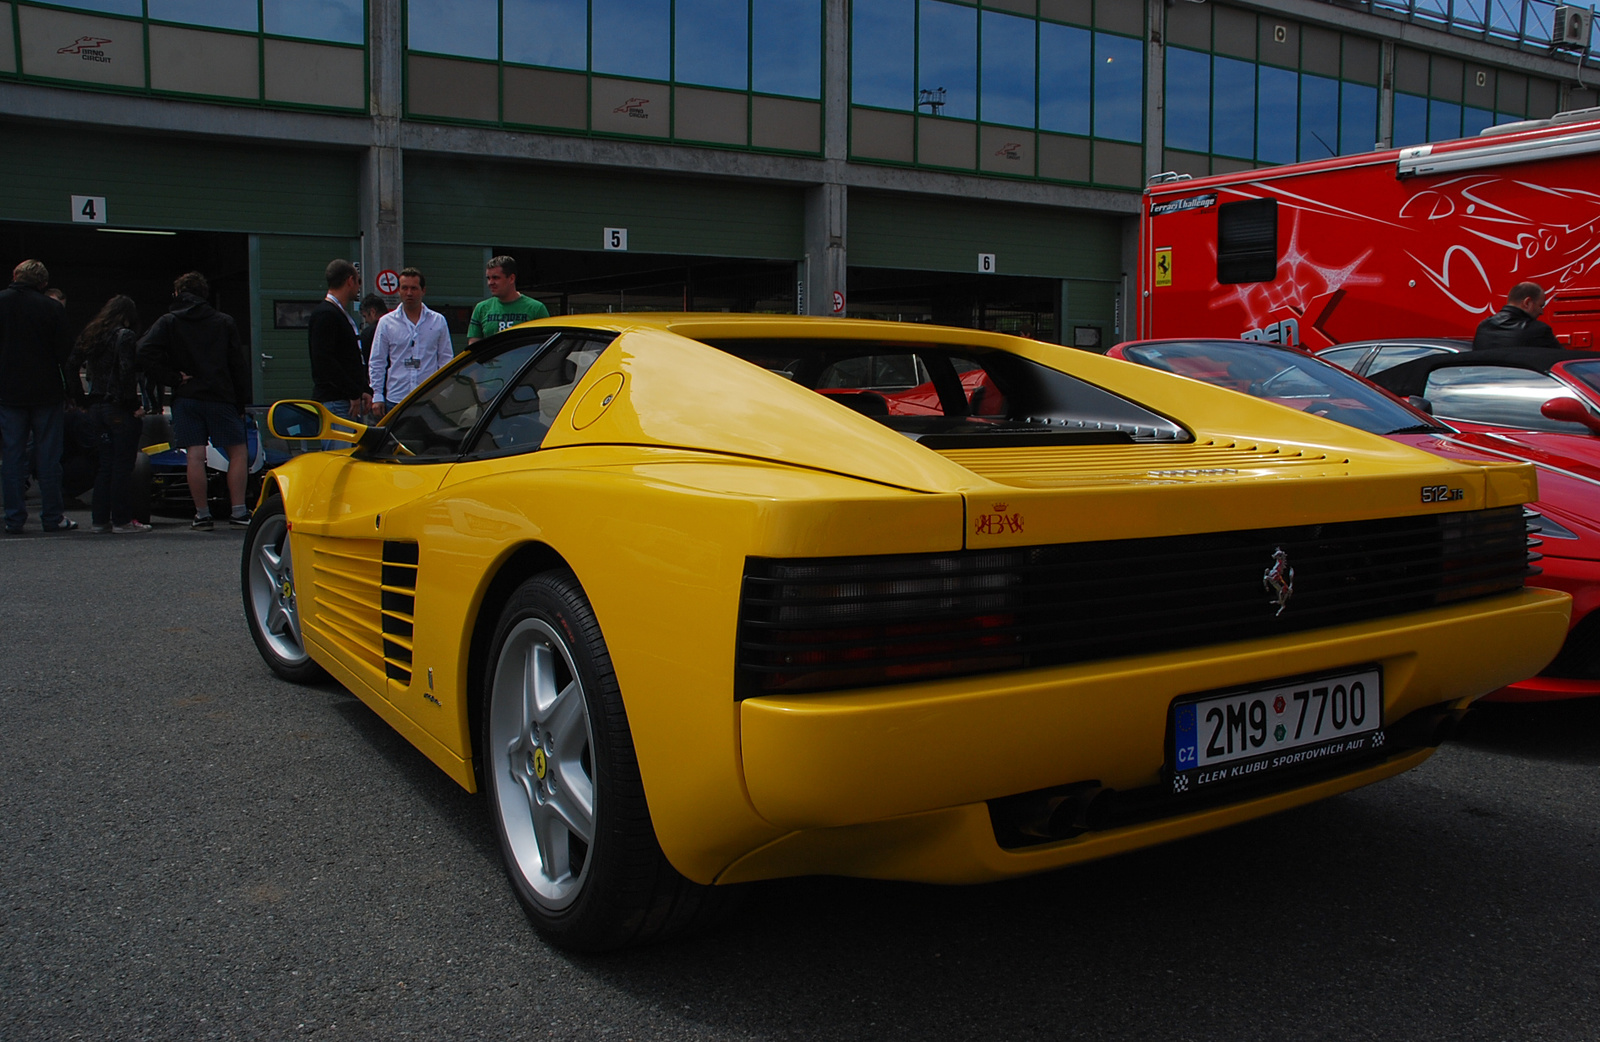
(703, 599)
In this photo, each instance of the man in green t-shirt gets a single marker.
(507, 307)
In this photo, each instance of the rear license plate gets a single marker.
(1285, 724)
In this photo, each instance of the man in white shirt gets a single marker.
(411, 344)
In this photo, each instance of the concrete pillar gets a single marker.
(1386, 95)
(379, 195)
(1155, 70)
(1127, 327)
(823, 272)
(836, 87)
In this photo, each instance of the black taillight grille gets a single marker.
(826, 623)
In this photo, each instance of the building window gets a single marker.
(1066, 62)
(1439, 98)
(947, 59)
(1000, 90)
(552, 33)
(1247, 90)
(786, 48)
(883, 53)
(282, 53)
(337, 21)
(214, 14)
(1010, 45)
(733, 73)
(458, 27)
(1118, 87)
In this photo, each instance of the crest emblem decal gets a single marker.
(1278, 580)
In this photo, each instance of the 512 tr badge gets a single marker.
(1441, 494)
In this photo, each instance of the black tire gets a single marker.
(139, 487)
(594, 883)
(155, 430)
(271, 607)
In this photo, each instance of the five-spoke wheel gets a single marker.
(271, 604)
(540, 740)
(563, 782)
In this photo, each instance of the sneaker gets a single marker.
(13, 530)
(104, 529)
(66, 525)
(235, 521)
(133, 525)
(202, 524)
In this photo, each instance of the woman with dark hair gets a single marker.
(106, 348)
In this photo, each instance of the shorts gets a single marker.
(194, 422)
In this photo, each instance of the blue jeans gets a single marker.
(118, 431)
(340, 408)
(45, 423)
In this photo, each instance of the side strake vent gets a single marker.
(825, 623)
(399, 595)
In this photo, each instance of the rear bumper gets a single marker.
(1575, 673)
(957, 845)
(836, 769)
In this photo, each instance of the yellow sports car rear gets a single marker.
(704, 599)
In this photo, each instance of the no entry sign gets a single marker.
(388, 282)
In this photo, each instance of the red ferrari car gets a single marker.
(900, 385)
(1511, 405)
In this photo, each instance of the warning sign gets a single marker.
(388, 282)
(1164, 266)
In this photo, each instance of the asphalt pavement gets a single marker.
(191, 848)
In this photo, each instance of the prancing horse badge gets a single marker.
(1279, 580)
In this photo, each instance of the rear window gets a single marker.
(1398, 354)
(1499, 395)
(957, 397)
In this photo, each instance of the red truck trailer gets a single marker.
(1409, 242)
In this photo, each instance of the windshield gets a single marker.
(1587, 372)
(951, 397)
(1286, 377)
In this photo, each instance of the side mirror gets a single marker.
(309, 421)
(1570, 410)
(1420, 403)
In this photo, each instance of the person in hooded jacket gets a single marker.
(1517, 324)
(107, 349)
(35, 384)
(195, 349)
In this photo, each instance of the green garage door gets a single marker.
(289, 280)
(176, 183)
(903, 231)
(484, 204)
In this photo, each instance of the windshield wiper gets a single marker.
(1420, 428)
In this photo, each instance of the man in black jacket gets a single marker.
(1517, 324)
(338, 379)
(35, 383)
(195, 349)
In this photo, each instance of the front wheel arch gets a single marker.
(523, 563)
